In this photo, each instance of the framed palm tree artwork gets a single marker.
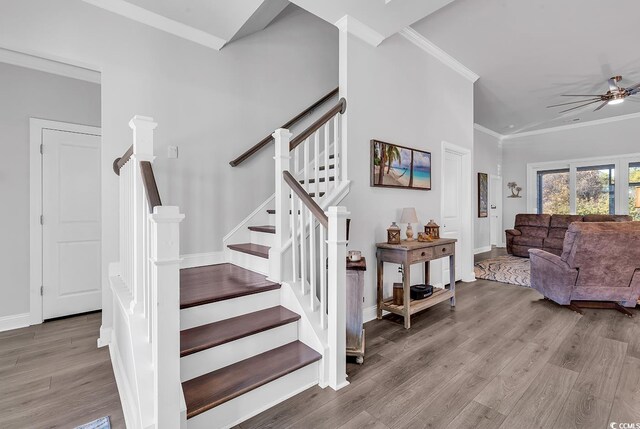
(395, 166)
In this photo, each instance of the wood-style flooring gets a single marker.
(504, 358)
(53, 376)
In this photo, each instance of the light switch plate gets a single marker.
(172, 152)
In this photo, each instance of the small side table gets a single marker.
(355, 296)
(414, 252)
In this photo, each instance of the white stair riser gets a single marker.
(216, 311)
(223, 355)
(256, 401)
(250, 262)
(263, 238)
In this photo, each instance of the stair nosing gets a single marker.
(293, 317)
(250, 252)
(267, 229)
(202, 408)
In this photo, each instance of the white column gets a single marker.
(283, 160)
(165, 266)
(142, 127)
(337, 277)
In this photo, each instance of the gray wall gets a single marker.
(613, 138)
(211, 104)
(487, 159)
(397, 93)
(26, 93)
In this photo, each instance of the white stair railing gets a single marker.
(146, 286)
(316, 241)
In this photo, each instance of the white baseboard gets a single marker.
(202, 259)
(15, 321)
(124, 388)
(369, 313)
(105, 336)
(481, 250)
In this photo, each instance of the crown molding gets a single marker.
(426, 45)
(49, 66)
(573, 126)
(362, 31)
(159, 22)
(488, 132)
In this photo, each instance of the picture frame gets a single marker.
(396, 166)
(483, 195)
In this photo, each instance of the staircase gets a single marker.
(211, 346)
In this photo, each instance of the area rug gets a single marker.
(102, 423)
(506, 269)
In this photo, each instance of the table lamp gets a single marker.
(409, 216)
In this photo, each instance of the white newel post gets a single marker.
(165, 286)
(283, 160)
(337, 277)
(142, 127)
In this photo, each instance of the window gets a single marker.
(553, 192)
(595, 190)
(634, 181)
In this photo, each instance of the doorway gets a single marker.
(495, 210)
(457, 209)
(66, 219)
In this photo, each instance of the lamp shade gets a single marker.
(409, 215)
(638, 197)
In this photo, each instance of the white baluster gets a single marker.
(283, 161)
(294, 237)
(303, 247)
(312, 263)
(166, 328)
(327, 142)
(336, 147)
(337, 275)
(323, 278)
(305, 164)
(316, 163)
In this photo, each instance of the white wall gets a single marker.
(399, 94)
(212, 104)
(487, 157)
(26, 93)
(612, 138)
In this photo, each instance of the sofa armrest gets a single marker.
(549, 257)
(513, 232)
(551, 276)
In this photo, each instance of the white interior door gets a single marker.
(453, 206)
(495, 209)
(71, 223)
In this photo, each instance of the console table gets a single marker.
(414, 252)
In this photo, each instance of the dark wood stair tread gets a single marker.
(269, 229)
(212, 283)
(251, 249)
(215, 388)
(214, 334)
(311, 194)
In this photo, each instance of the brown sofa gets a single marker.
(600, 261)
(546, 232)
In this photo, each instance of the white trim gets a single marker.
(159, 22)
(573, 126)
(14, 321)
(20, 59)
(261, 209)
(426, 45)
(125, 392)
(35, 204)
(482, 250)
(363, 32)
(202, 259)
(488, 131)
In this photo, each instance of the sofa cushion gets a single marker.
(606, 218)
(534, 231)
(527, 240)
(535, 220)
(559, 224)
(554, 243)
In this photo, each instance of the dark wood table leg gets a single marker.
(452, 279)
(380, 284)
(406, 271)
(427, 273)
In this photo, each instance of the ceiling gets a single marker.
(528, 53)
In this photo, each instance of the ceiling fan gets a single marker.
(615, 95)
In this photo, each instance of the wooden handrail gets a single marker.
(150, 186)
(268, 139)
(341, 107)
(313, 207)
(119, 162)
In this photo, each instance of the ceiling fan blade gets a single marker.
(634, 89)
(601, 106)
(577, 107)
(574, 102)
(581, 95)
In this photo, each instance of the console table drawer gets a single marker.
(444, 250)
(420, 255)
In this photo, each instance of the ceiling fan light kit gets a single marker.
(615, 95)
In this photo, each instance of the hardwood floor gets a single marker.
(54, 376)
(504, 358)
